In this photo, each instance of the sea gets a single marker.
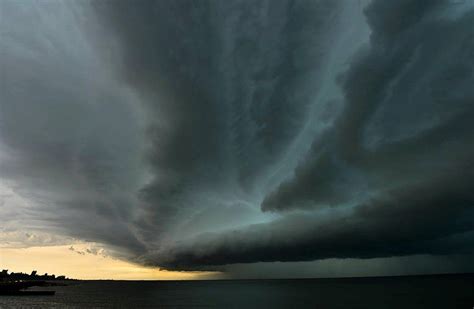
(441, 291)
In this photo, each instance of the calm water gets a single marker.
(401, 292)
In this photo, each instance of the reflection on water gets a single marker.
(402, 292)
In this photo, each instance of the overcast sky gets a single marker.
(258, 138)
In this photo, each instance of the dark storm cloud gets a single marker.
(398, 156)
(195, 134)
(73, 168)
(407, 114)
(227, 85)
(428, 218)
(220, 88)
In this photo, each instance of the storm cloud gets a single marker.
(197, 134)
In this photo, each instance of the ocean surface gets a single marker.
(450, 291)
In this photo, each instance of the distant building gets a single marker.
(4, 274)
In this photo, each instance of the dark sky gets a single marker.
(259, 138)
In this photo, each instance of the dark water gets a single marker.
(395, 292)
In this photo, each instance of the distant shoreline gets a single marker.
(428, 276)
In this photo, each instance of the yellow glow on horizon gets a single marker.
(59, 260)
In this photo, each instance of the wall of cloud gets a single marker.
(191, 135)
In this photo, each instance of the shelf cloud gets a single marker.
(195, 135)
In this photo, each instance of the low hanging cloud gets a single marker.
(191, 135)
(434, 218)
